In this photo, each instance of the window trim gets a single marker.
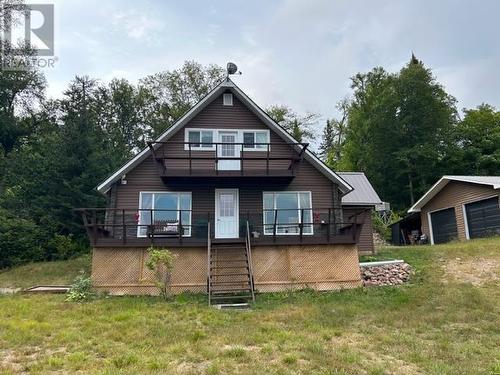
(215, 138)
(429, 220)
(178, 208)
(298, 209)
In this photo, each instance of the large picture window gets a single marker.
(287, 210)
(167, 209)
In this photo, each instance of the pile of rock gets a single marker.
(385, 274)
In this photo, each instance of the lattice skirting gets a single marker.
(276, 268)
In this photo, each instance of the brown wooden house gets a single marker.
(243, 204)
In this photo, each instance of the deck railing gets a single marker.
(108, 227)
(195, 158)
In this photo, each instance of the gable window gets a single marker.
(287, 210)
(200, 139)
(166, 209)
(255, 140)
(227, 99)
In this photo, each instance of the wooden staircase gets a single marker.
(229, 273)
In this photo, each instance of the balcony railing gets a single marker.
(198, 159)
(144, 227)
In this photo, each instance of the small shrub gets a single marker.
(235, 352)
(81, 289)
(289, 359)
(382, 224)
(161, 262)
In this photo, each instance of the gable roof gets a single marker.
(363, 194)
(493, 181)
(225, 85)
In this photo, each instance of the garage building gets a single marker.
(460, 207)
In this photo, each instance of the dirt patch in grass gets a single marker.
(372, 359)
(476, 271)
(19, 362)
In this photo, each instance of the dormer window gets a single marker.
(227, 99)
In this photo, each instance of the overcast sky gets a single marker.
(299, 53)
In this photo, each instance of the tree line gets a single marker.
(403, 130)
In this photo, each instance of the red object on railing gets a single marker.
(137, 216)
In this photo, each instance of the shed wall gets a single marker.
(455, 194)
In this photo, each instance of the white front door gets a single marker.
(226, 213)
(228, 150)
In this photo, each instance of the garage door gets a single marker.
(444, 225)
(483, 218)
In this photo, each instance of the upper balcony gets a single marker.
(188, 160)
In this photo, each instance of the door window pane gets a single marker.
(228, 148)
(226, 205)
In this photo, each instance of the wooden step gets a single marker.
(228, 291)
(228, 267)
(223, 297)
(230, 274)
(215, 283)
(232, 306)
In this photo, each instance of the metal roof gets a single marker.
(493, 181)
(363, 193)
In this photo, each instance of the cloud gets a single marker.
(137, 25)
(290, 52)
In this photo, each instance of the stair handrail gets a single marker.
(249, 257)
(209, 250)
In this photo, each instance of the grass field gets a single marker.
(445, 321)
(55, 273)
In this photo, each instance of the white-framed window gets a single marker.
(287, 209)
(252, 140)
(167, 208)
(227, 99)
(200, 139)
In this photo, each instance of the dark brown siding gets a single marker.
(365, 243)
(218, 116)
(455, 194)
(145, 177)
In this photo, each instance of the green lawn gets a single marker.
(44, 273)
(437, 324)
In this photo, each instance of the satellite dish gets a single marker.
(231, 68)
